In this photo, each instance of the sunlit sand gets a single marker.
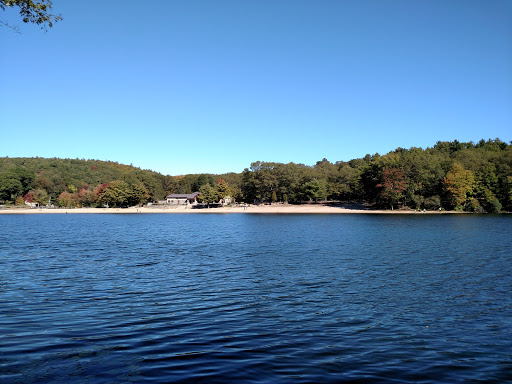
(276, 208)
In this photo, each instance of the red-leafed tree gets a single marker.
(28, 198)
(85, 196)
(393, 185)
(39, 196)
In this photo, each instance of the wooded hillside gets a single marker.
(450, 175)
(52, 177)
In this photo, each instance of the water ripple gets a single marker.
(255, 299)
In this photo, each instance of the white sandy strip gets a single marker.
(287, 209)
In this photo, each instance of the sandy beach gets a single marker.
(253, 209)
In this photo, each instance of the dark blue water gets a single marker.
(242, 298)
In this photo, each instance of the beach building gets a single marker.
(227, 200)
(180, 199)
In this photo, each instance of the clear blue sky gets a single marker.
(211, 86)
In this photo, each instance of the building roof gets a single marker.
(183, 195)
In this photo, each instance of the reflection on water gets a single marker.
(255, 298)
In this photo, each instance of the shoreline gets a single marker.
(254, 209)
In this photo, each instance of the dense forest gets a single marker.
(450, 175)
(467, 176)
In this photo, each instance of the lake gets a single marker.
(179, 298)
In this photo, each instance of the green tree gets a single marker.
(116, 194)
(223, 189)
(200, 181)
(315, 190)
(489, 201)
(32, 11)
(370, 177)
(139, 194)
(43, 182)
(15, 182)
(432, 202)
(10, 186)
(262, 179)
(423, 172)
(236, 193)
(345, 186)
(328, 172)
(208, 195)
(26, 178)
(508, 200)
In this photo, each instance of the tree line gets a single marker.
(452, 175)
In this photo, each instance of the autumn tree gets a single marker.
(66, 200)
(28, 198)
(458, 184)
(86, 197)
(393, 185)
(39, 196)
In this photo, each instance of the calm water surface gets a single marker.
(255, 298)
